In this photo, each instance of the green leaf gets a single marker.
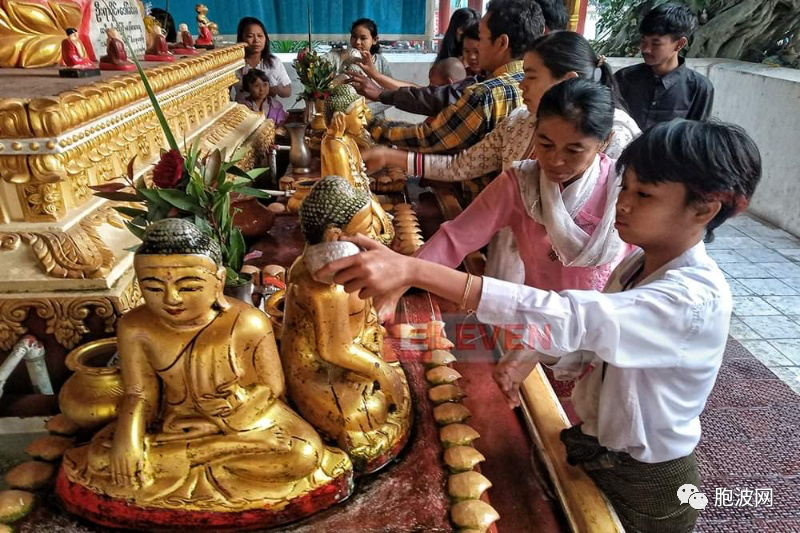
(236, 250)
(179, 199)
(119, 196)
(133, 249)
(213, 166)
(136, 230)
(108, 187)
(130, 168)
(131, 212)
(151, 195)
(250, 191)
(204, 226)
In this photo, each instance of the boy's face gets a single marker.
(656, 215)
(259, 89)
(660, 49)
(470, 55)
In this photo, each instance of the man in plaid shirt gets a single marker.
(506, 31)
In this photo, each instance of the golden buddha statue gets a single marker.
(201, 426)
(332, 344)
(346, 116)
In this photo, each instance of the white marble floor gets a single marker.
(762, 264)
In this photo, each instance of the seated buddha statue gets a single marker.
(345, 116)
(332, 345)
(201, 425)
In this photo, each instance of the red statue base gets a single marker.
(159, 57)
(78, 72)
(185, 51)
(113, 66)
(122, 514)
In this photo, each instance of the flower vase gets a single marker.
(241, 292)
(299, 154)
(316, 117)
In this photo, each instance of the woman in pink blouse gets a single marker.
(559, 207)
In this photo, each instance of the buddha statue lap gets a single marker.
(332, 345)
(345, 115)
(201, 426)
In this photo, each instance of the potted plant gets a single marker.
(190, 185)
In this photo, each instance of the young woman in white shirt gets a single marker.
(654, 339)
(257, 55)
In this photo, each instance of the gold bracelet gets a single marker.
(467, 287)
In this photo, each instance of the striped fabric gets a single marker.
(644, 495)
(482, 107)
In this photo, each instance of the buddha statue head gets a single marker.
(180, 273)
(353, 108)
(335, 207)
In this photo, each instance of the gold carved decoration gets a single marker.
(65, 318)
(31, 33)
(79, 253)
(124, 125)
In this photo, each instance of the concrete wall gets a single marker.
(764, 100)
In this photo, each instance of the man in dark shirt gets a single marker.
(663, 87)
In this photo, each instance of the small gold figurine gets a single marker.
(202, 426)
(345, 114)
(332, 345)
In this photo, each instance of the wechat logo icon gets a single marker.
(690, 494)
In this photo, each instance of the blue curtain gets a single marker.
(329, 18)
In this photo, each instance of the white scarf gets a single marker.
(556, 210)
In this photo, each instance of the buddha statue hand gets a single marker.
(128, 466)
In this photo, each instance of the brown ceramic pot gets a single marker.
(253, 218)
(91, 395)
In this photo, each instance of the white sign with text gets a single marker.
(125, 15)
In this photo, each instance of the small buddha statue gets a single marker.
(116, 58)
(202, 425)
(332, 345)
(185, 44)
(74, 57)
(157, 49)
(345, 115)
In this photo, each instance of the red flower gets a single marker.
(315, 95)
(169, 170)
(301, 55)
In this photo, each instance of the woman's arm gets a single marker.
(283, 87)
(492, 210)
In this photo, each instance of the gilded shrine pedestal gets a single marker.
(65, 265)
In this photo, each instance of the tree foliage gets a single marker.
(751, 30)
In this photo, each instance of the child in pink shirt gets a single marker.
(560, 207)
(256, 97)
